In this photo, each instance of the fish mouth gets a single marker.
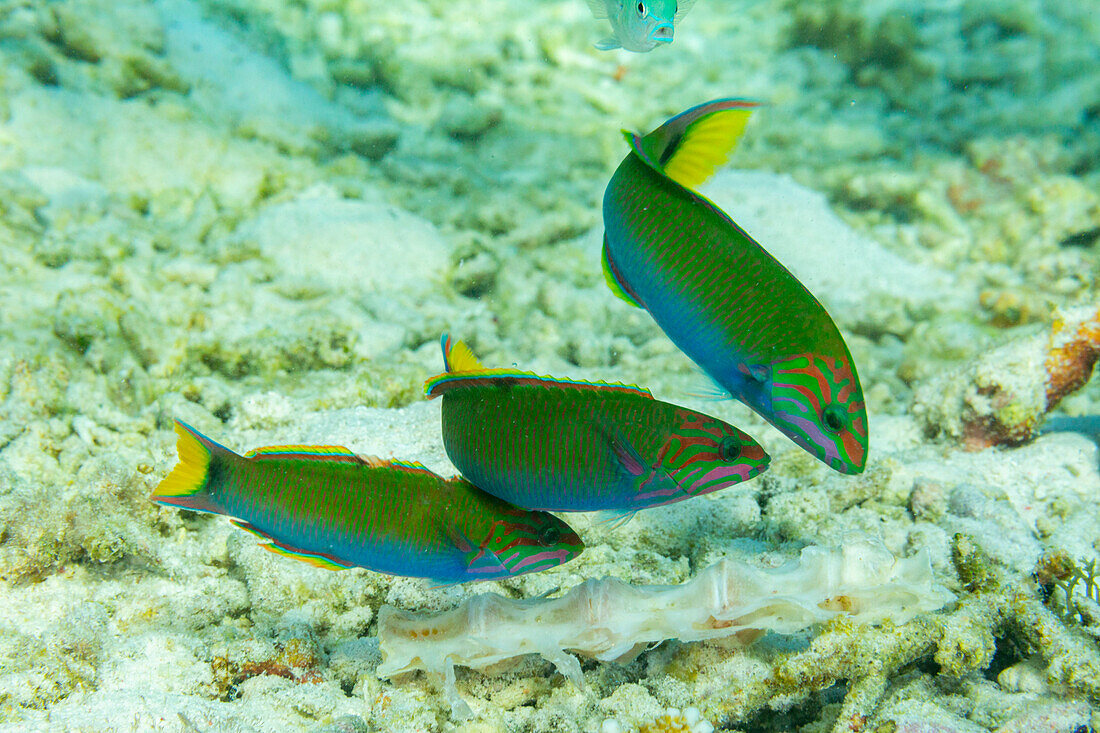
(662, 33)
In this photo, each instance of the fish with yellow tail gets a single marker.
(721, 297)
(334, 509)
(564, 445)
(639, 25)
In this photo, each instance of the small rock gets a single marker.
(466, 118)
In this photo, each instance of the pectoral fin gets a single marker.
(598, 8)
(625, 453)
(479, 560)
(486, 562)
(614, 519)
(608, 44)
(682, 8)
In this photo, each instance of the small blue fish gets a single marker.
(639, 26)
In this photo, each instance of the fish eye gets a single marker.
(549, 535)
(729, 449)
(641, 9)
(834, 418)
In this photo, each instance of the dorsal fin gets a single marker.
(457, 356)
(691, 145)
(682, 8)
(464, 370)
(505, 378)
(304, 452)
(411, 466)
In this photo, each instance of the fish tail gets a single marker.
(457, 359)
(690, 146)
(187, 486)
(457, 356)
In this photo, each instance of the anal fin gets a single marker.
(316, 559)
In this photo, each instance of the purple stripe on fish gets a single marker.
(813, 433)
(555, 555)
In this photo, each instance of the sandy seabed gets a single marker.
(259, 215)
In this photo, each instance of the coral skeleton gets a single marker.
(1004, 395)
(1074, 610)
(671, 720)
(610, 620)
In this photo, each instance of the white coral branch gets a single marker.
(608, 619)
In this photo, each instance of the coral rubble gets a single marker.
(1002, 397)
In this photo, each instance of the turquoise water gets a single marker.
(258, 216)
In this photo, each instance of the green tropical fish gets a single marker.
(727, 303)
(564, 445)
(333, 509)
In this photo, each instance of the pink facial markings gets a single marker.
(818, 404)
(556, 556)
(521, 547)
(813, 438)
(693, 459)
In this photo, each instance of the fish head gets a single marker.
(704, 454)
(816, 400)
(529, 541)
(662, 14)
(646, 24)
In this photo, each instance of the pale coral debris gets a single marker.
(610, 620)
(1003, 396)
(671, 720)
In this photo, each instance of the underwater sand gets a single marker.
(259, 215)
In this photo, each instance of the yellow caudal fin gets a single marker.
(689, 147)
(457, 356)
(706, 144)
(186, 485)
(457, 359)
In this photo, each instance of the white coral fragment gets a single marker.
(608, 619)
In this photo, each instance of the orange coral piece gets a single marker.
(1070, 362)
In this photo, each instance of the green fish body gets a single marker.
(720, 297)
(561, 445)
(334, 509)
